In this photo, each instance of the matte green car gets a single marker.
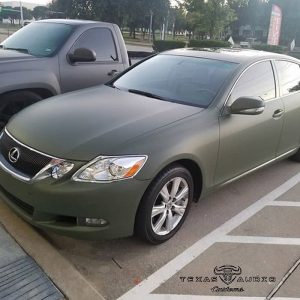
(131, 156)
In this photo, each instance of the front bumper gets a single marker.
(60, 205)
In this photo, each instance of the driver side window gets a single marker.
(99, 40)
(257, 81)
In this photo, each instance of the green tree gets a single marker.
(11, 13)
(40, 12)
(212, 16)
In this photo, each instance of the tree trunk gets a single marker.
(153, 29)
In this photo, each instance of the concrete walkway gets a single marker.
(20, 276)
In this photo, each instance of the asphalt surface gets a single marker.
(263, 241)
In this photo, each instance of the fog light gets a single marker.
(95, 222)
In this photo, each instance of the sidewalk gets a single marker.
(20, 276)
(37, 254)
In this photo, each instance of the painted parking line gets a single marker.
(143, 290)
(260, 240)
(285, 203)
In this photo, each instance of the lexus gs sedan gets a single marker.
(131, 156)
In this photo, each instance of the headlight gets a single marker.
(107, 169)
(56, 169)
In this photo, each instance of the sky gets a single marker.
(43, 2)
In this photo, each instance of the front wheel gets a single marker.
(13, 102)
(165, 205)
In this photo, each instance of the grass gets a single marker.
(7, 29)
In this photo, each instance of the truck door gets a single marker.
(75, 76)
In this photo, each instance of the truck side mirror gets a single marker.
(82, 55)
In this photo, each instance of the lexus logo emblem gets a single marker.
(14, 155)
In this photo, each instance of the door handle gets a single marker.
(278, 113)
(113, 73)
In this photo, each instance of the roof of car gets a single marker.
(71, 22)
(235, 55)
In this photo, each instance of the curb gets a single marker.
(65, 276)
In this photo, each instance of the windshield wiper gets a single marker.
(17, 49)
(147, 94)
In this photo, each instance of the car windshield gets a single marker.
(38, 39)
(187, 80)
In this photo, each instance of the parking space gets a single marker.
(241, 225)
(257, 271)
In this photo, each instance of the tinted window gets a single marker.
(101, 41)
(289, 77)
(257, 81)
(188, 80)
(39, 39)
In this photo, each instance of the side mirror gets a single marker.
(247, 106)
(82, 55)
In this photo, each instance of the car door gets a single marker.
(248, 141)
(289, 83)
(108, 62)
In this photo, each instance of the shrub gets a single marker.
(269, 48)
(160, 46)
(209, 44)
(294, 54)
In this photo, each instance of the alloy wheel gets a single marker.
(170, 206)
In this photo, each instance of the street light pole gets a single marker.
(21, 12)
(151, 25)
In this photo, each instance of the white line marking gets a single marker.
(285, 203)
(260, 240)
(283, 280)
(171, 268)
(195, 297)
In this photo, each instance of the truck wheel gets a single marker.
(13, 102)
(165, 205)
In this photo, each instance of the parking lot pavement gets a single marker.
(245, 225)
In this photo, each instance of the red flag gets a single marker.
(275, 25)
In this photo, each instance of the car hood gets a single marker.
(96, 121)
(11, 56)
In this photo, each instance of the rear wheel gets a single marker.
(165, 205)
(13, 102)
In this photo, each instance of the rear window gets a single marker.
(187, 80)
(289, 77)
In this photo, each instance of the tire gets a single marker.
(296, 156)
(167, 222)
(13, 102)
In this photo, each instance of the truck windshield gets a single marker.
(187, 80)
(38, 39)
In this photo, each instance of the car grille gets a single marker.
(29, 163)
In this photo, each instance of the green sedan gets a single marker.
(131, 156)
